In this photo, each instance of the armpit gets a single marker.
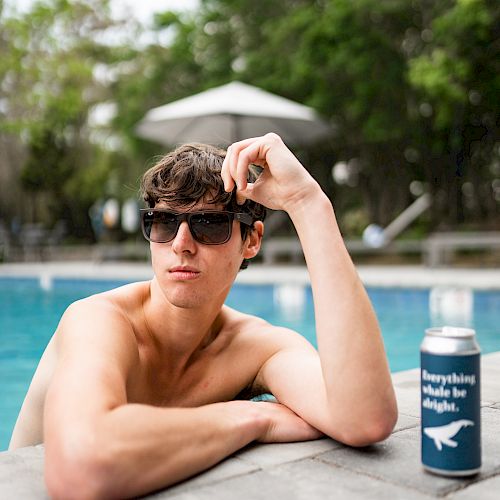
(252, 391)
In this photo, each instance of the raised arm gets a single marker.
(347, 393)
(98, 446)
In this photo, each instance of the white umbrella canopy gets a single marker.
(232, 112)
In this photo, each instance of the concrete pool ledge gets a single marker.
(319, 469)
(374, 276)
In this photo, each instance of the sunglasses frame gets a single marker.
(242, 217)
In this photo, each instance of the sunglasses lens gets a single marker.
(211, 228)
(159, 227)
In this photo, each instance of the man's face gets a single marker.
(192, 274)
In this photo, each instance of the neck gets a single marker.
(179, 333)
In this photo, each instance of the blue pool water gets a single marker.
(29, 316)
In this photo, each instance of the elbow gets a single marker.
(368, 431)
(368, 434)
(77, 471)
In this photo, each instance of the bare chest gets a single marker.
(209, 380)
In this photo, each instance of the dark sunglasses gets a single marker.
(207, 227)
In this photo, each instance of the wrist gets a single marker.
(309, 194)
(245, 419)
(315, 204)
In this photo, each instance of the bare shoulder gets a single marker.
(250, 328)
(111, 308)
(120, 306)
(102, 319)
(109, 321)
(255, 341)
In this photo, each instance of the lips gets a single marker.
(184, 272)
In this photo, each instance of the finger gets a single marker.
(246, 194)
(227, 169)
(232, 168)
(252, 154)
(243, 153)
(240, 197)
(268, 138)
(241, 170)
(247, 145)
(237, 146)
(225, 174)
(254, 149)
(229, 179)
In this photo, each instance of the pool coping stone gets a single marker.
(373, 276)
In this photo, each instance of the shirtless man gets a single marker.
(138, 387)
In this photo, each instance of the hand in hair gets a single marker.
(284, 182)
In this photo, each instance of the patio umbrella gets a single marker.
(235, 111)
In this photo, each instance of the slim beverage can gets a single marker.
(450, 401)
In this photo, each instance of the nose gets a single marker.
(184, 241)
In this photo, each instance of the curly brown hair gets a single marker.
(191, 174)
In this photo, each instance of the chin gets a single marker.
(187, 299)
(184, 302)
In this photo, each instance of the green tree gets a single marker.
(456, 75)
(48, 61)
(343, 58)
(410, 87)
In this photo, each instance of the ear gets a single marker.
(253, 240)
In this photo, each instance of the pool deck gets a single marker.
(321, 469)
(375, 276)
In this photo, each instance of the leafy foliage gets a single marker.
(47, 67)
(410, 86)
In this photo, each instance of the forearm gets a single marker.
(353, 359)
(146, 448)
(355, 383)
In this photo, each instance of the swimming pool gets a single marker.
(29, 316)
